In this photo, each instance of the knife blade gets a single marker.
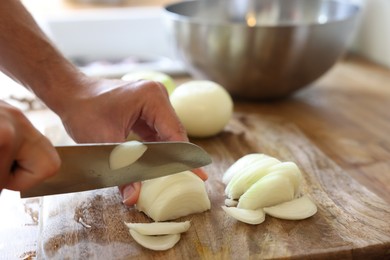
(86, 167)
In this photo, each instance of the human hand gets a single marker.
(27, 157)
(109, 110)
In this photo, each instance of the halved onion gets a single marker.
(173, 196)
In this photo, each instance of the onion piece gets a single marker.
(291, 171)
(248, 176)
(158, 243)
(253, 217)
(231, 202)
(270, 190)
(159, 228)
(240, 165)
(126, 153)
(296, 209)
(173, 196)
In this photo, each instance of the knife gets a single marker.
(86, 167)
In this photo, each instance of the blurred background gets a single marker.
(113, 37)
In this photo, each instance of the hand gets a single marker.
(92, 110)
(27, 157)
(108, 110)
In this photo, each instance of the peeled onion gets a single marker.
(204, 107)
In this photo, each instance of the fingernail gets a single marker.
(128, 193)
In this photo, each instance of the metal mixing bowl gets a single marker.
(261, 49)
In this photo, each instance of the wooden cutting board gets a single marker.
(351, 221)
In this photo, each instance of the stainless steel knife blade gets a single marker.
(86, 167)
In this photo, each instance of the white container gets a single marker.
(373, 37)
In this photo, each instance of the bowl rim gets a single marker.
(187, 19)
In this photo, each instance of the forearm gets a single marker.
(28, 56)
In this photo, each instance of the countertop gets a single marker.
(345, 114)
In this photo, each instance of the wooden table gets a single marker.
(345, 115)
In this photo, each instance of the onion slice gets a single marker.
(158, 243)
(253, 217)
(231, 202)
(159, 228)
(270, 190)
(296, 209)
(250, 175)
(291, 171)
(126, 153)
(240, 165)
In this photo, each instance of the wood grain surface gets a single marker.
(337, 130)
(352, 222)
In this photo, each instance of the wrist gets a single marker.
(62, 91)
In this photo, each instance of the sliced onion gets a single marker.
(126, 153)
(291, 171)
(158, 243)
(296, 209)
(253, 217)
(231, 202)
(240, 165)
(270, 190)
(159, 228)
(248, 176)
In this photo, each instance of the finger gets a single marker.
(130, 193)
(6, 162)
(163, 118)
(36, 161)
(201, 173)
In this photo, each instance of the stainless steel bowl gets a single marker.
(261, 49)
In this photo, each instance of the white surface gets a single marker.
(373, 37)
(112, 34)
